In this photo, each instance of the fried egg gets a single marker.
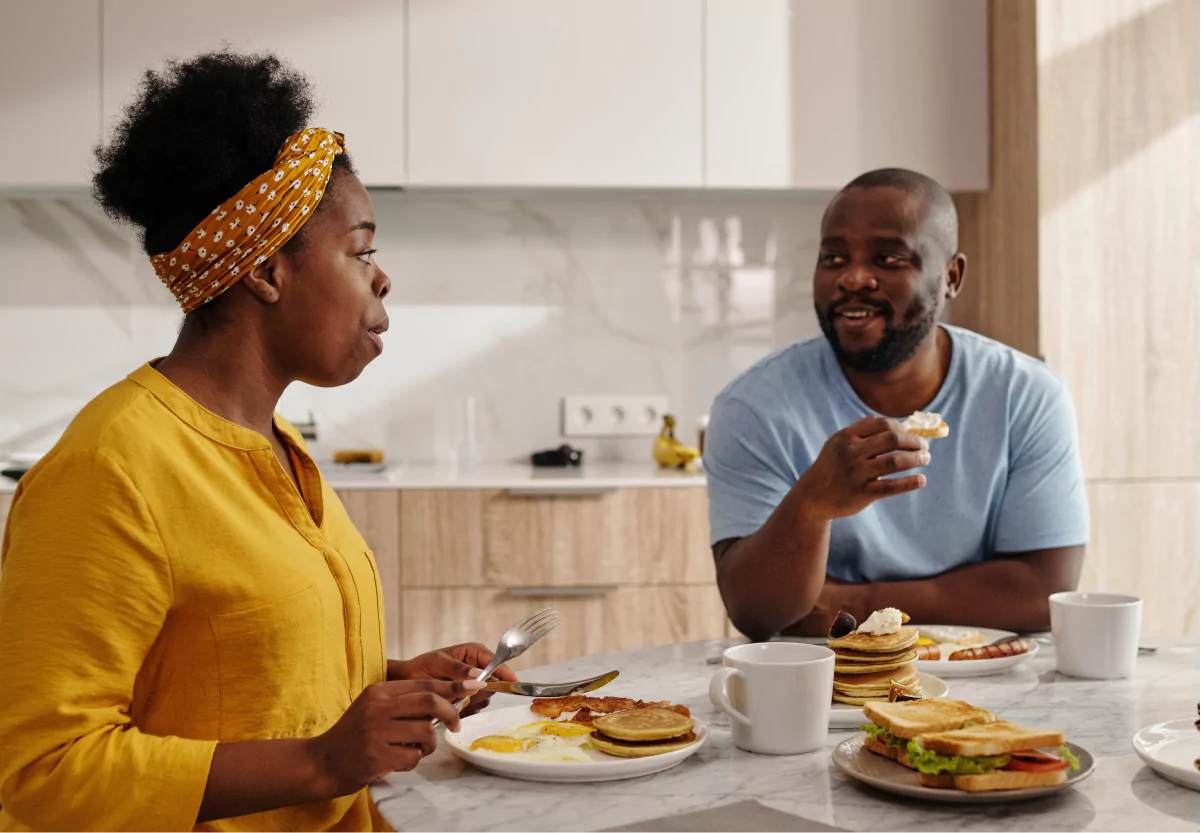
(547, 741)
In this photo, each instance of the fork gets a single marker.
(517, 640)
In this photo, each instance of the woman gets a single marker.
(192, 627)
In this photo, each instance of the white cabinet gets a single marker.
(352, 52)
(811, 93)
(589, 93)
(49, 92)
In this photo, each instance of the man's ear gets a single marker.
(266, 280)
(956, 266)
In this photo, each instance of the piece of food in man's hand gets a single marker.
(928, 425)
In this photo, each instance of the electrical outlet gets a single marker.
(613, 416)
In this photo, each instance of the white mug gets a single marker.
(1096, 634)
(777, 695)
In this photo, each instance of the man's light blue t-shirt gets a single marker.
(1008, 479)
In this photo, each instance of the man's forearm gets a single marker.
(772, 578)
(1009, 593)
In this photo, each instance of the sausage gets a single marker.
(1008, 648)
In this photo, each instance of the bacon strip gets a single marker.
(1008, 648)
(587, 708)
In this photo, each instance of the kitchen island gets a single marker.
(445, 793)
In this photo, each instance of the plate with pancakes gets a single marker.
(875, 667)
(579, 739)
(946, 750)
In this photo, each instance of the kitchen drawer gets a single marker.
(376, 515)
(503, 539)
(614, 620)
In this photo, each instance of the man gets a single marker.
(819, 500)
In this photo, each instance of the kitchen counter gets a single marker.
(444, 793)
(516, 477)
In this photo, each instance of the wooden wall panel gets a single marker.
(1145, 542)
(998, 229)
(1118, 138)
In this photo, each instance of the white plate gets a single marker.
(846, 716)
(880, 772)
(1170, 749)
(979, 667)
(602, 768)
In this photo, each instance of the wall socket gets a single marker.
(613, 416)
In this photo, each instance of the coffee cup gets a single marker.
(777, 695)
(1096, 634)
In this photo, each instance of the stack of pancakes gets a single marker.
(865, 666)
(637, 733)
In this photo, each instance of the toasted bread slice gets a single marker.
(901, 756)
(1005, 780)
(941, 781)
(997, 738)
(934, 714)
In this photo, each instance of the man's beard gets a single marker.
(898, 344)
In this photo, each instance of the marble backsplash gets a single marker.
(514, 301)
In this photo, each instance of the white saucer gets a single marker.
(1170, 749)
(846, 716)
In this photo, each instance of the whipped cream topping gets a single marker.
(922, 420)
(881, 622)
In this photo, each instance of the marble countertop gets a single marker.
(515, 477)
(444, 793)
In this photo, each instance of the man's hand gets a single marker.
(458, 662)
(845, 477)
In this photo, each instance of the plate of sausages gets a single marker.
(955, 651)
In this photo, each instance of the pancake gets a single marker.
(888, 643)
(879, 680)
(639, 749)
(868, 668)
(641, 725)
(859, 701)
(845, 657)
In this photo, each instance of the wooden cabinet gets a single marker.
(49, 92)
(6, 501)
(811, 93)
(353, 55)
(598, 93)
(505, 539)
(617, 620)
(626, 569)
(376, 515)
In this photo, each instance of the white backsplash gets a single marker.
(515, 301)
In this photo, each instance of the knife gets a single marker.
(551, 689)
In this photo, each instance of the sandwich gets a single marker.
(991, 756)
(894, 725)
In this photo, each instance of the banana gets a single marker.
(669, 452)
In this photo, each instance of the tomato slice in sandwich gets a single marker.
(1034, 761)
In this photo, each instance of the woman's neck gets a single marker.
(228, 373)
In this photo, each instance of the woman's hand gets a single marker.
(458, 662)
(388, 728)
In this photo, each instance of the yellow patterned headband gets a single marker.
(254, 223)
